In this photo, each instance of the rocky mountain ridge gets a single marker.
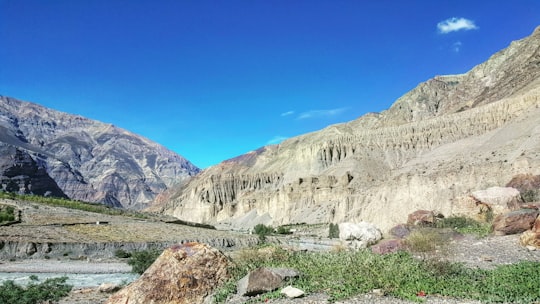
(88, 160)
(447, 137)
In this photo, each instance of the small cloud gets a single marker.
(276, 140)
(456, 46)
(287, 113)
(455, 24)
(320, 113)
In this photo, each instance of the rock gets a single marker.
(531, 238)
(400, 231)
(514, 222)
(108, 287)
(292, 292)
(359, 235)
(421, 217)
(499, 199)
(388, 246)
(182, 274)
(263, 280)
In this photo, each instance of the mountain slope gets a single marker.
(448, 136)
(89, 160)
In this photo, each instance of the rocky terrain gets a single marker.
(449, 136)
(49, 232)
(46, 152)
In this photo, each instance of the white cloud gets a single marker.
(276, 140)
(320, 113)
(287, 113)
(456, 46)
(455, 24)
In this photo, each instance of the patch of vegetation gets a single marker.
(283, 230)
(7, 213)
(346, 274)
(467, 225)
(530, 196)
(72, 204)
(333, 231)
(263, 231)
(425, 241)
(50, 290)
(122, 254)
(141, 260)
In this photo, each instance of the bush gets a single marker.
(283, 230)
(50, 290)
(530, 196)
(141, 260)
(121, 253)
(425, 241)
(466, 225)
(262, 231)
(7, 214)
(333, 231)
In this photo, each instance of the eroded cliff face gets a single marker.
(89, 160)
(447, 137)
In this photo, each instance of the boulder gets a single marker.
(421, 217)
(531, 238)
(263, 280)
(400, 231)
(514, 222)
(108, 287)
(182, 274)
(359, 235)
(292, 292)
(388, 246)
(499, 199)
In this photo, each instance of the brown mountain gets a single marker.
(447, 137)
(47, 152)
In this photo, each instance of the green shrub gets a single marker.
(141, 260)
(262, 231)
(467, 225)
(122, 254)
(7, 213)
(333, 231)
(530, 196)
(50, 290)
(283, 230)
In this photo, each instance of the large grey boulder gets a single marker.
(359, 235)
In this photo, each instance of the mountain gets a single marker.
(445, 138)
(47, 152)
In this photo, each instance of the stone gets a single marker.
(292, 292)
(108, 287)
(182, 274)
(388, 246)
(263, 280)
(421, 217)
(359, 235)
(514, 222)
(499, 199)
(400, 231)
(530, 239)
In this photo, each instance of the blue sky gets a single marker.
(212, 80)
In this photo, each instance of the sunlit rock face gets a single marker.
(87, 159)
(447, 137)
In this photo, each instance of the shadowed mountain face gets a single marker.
(87, 160)
(448, 136)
